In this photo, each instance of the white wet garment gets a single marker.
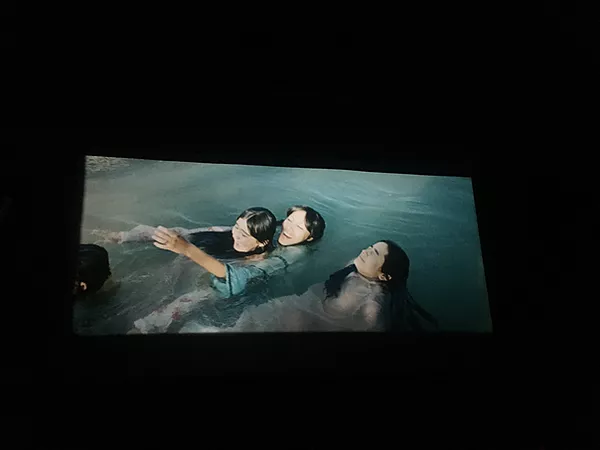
(238, 276)
(360, 306)
(159, 320)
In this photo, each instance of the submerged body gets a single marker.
(369, 294)
(433, 217)
(361, 305)
(238, 278)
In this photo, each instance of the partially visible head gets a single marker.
(302, 224)
(93, 269)
(385, 261)
(254, 230)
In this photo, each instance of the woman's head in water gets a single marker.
(384, 261)
(254, 230)
(93, 269)
(302, 224)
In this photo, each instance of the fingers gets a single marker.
(164, 247)
(166, 231)
(161, 237)
(165, 235)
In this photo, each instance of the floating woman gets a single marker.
(370, 294)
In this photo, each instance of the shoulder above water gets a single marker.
(290, 252)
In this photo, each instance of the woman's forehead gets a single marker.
(242, 224)
(298, 217)
(382, 248)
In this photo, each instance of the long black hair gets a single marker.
(404, 311)
(93, 268)
(261, 224)
(314, 222)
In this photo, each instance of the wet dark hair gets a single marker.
(404, 309)
(261, 224)
(314, 222)
(396, 264)
(216, 243)
(93, 268)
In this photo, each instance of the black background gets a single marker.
(513, 97)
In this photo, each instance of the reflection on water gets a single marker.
(432, 218)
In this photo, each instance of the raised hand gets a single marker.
(169, 240)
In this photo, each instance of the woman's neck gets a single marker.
(369, 279)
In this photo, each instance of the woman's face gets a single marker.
(243, 241)
(371, 259)
(293, 230)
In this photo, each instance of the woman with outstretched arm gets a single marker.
(302, 227)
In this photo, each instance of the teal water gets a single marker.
(432, 218)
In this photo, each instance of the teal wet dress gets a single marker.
(238, 278)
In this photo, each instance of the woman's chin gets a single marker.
(243, 250)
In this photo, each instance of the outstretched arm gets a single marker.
(138, 233)
(215, 228)
(187, 231)
(142, 233)
(169, 240)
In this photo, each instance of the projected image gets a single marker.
(179, 247)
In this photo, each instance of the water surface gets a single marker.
(432, 218)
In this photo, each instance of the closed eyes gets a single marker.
(241, 231)
(297, 224)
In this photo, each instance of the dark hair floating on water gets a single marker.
(333, 285)
(411, 311)
(404, 309)
(396, 265)
(93, 268)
